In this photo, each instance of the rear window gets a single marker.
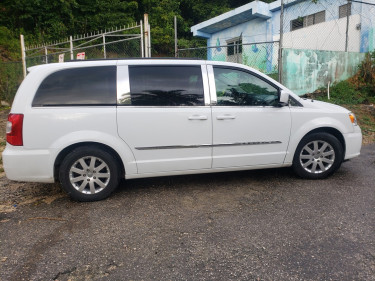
(78, 86)
(165, 86)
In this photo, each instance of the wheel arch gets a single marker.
(299, 136)
(336, 133)
(63, 153)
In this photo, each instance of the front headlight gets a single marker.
(353, 119)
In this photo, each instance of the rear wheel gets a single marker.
(317, 156)
(89, 174)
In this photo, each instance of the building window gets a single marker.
(344, 9)
(307, 20)
(234, 46)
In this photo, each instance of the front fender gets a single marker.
(302, 126)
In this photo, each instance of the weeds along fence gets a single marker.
(11, 76)
(262, 56)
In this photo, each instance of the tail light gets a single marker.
(14, 129)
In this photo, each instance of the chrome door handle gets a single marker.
(225, 117)
(198, 117)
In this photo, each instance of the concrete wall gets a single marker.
(367, 26)
(325, 36)
(305, 71)
(260, 56)
(257, 30)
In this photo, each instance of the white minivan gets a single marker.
(88, 124)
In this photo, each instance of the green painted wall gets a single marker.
(304, 71)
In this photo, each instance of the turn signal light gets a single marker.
(352, 118)
(14, 129)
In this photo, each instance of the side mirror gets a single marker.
(284, 98)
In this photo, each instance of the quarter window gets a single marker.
(238, 88)
(78, 86)
(165, 86)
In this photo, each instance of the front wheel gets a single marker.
(317, 156)
(89, 174)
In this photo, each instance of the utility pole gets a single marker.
(281, 42)
(348, 8)
(175, 36)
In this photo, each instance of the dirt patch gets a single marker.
(3, 121)
(15, 194)
(366, 120)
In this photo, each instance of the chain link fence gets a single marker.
(262, 56)
(11, 76)
(328, 25)
(116, 43)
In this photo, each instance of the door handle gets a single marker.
(198, 117)
(225, 117)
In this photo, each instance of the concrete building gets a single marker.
(307, 25)
(313, 44)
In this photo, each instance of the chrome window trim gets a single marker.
(163, 106)
(212, 86)
(207, 145)
(123, 84)
(245, 106)
(205, 85)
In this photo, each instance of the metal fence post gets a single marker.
(71, 48)
(46, 53)
(142, 39)
(149, 41)
(23, 54)
(104, 50)
(146, 34)
(281, 42)
(175, 36)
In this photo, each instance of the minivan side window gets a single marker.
(240, 88)
(78, 86)
(165, 86)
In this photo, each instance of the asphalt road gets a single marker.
(253, 225)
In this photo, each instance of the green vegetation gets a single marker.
(44, 21)
(359, 89)
(345, 92)
(358, 95)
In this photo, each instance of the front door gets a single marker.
(248, 127)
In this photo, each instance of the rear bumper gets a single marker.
(353, 142)
(21, 164)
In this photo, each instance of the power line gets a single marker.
(373, 4)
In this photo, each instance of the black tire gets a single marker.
(322, 150)
(80, 177)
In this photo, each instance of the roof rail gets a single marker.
(153, 58)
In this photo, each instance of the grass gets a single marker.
(344, 93)
(366, 120)
(359, 101)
